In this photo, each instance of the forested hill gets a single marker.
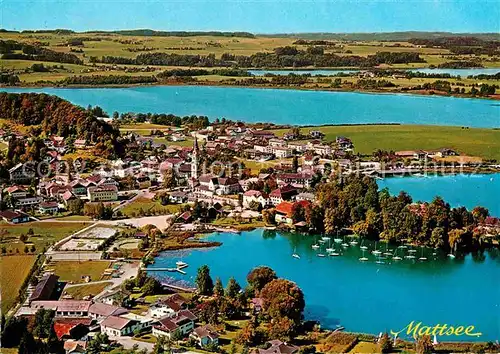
(55, 116)
(383, 36)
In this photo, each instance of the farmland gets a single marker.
(95, 46)
(39, 234)
(144, 206)
(13, 271)
(484, 143)
(73, 271)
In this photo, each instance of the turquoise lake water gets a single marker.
(454, 72)
(286, 106)
(467, 190)
(361, 296)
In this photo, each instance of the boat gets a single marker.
(337, 239)
(321, 255)
(295, 254)
(325, 238)
(387, 252)
(379, 261)
(345, 244)
(363, 247)
(315, 246)
(422, 258)
(376, 252)
(410, 256)
(363, 258)
(181, 264)
(353, 243)
(330, 249)
(451, 255)
(321, 240)
(395, 257)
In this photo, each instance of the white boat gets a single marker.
(376, 252)
(295, 254)
(353, 243)
(330, 249)
(395, 257)
(334, 254)
(410, 256)
(363, 258)
(321, 241)
(315, 247)
(321, 255)
(181, 264)
(422, 258)
(451, 255)
(325, 238)
(363, 247)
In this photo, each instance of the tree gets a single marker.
(23, 238)
(54, 345)
(208, 312)
(295, 163)
(233, 288)
(43, 323)
(159, 345)
(385, 344)
(151, 286)
(283, 298)
(95, 345)
(269, 216)
(260, 277)
(204, 282)
(169, 180)
(218, 288)
(424, 345)
(282, 328)
(75, 206)
(28, 345)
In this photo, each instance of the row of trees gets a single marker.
(108, 80)
(281, 57)
(35, 52)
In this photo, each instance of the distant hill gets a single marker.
(383, 36)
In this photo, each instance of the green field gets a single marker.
(44, 234)
(13, 271)
(144, 206)
(72, 271)
(484, 143)
(80, 291)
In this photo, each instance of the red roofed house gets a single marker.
(71, 328)
(285, 193)
(182, 322)
(284, 213)
(205, 335)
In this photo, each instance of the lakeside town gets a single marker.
(120, 196)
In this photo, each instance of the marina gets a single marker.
(343, 299)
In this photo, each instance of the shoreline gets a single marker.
(419, 93)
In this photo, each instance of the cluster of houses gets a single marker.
(78, 321)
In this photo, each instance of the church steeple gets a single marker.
(194, 159)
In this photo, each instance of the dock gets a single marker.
(172, 270)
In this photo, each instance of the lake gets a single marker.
(328, 72)
(286, 106)
(361, 296)
(467, 190)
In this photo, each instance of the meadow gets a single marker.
(40, 234)
(13, 271)
(484, 143)
(73, 271)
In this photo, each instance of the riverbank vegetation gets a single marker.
(354, 202)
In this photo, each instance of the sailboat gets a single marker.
(379, 260)
(325, 238)
(363, 258)
(376, 252)
(422, 258)
(315, 246)
(337, 239)
(410, 254)
(345, 244)
(295, 254)
(451, 255)
(321, 255)
(362, 247)
(395, 257)
(387, 252)
(334, 253)
(330, 249)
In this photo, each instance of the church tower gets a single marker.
(194, 160)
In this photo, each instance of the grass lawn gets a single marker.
(13, 271)
(145, 206)
(232, 329)
(44, 233)
(80, 291)
(231, 222)
(484, 143)
(72, 271)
